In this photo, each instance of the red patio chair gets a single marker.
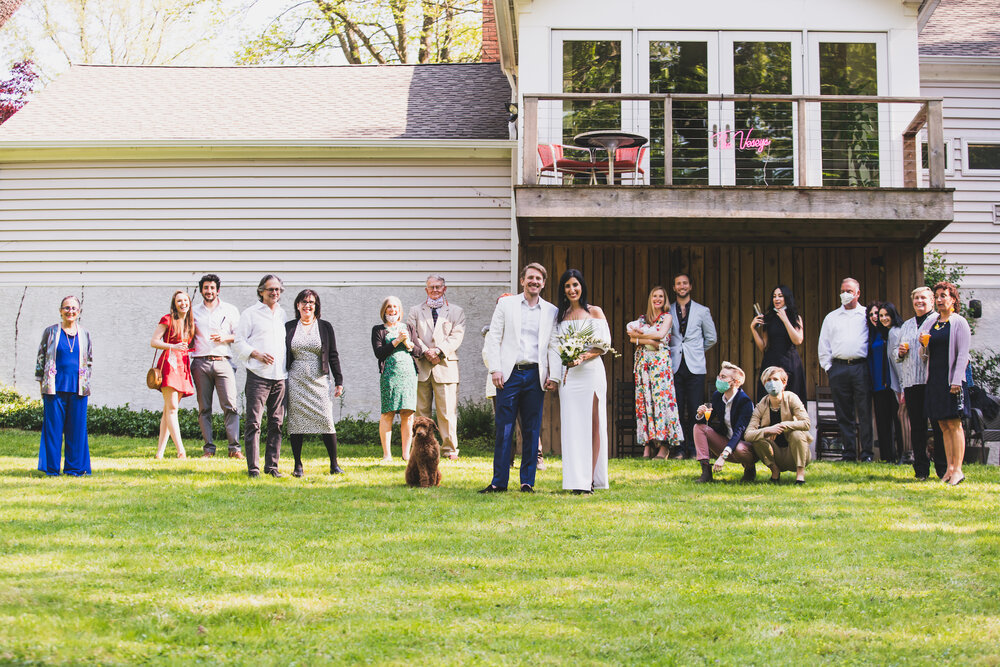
(554, 164)
(628, 164)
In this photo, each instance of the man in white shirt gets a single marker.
(516, 354)
(843, 354)
(260, 345)
(212, 364)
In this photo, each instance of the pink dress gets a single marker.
(175, 364)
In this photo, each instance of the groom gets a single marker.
(516, 353)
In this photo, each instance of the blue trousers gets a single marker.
(521, 395)
(64, 414)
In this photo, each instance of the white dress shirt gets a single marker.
(844, 335)
(262, 329)
(223, 319)
(531, 318)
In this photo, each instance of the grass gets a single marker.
(189, 561)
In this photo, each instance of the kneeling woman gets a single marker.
(724, 421)
(779, 428)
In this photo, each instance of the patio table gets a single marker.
(611, 141)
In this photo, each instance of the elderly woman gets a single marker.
(310, 358)
(779, 428)
(174, 335)
(63, 370)
(395, 345)
(724, 420)
(944, 340)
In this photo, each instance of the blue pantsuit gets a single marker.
(64, 414)
(521, 395)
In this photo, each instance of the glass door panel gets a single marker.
(849, 132)
(680, 63)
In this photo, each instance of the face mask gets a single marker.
(773, 387)
(721, 385)
(392, 319)
(846, 298)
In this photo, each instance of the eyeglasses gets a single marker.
(273, 289)
(307, 303)
(70, 309)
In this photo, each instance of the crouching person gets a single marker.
(779, 428)
(721, 424)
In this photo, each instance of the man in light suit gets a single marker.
(692, 333)
(440, 328)
(516, 352)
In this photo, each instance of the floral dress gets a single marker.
(656, 414)
(398, 384)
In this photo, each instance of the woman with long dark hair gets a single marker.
(311, 358)
(944, 338)
(583, 390)
(884, 383)
(777, 333)
(174, 335)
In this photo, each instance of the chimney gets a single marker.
(491, 44)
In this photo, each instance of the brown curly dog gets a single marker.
(422, 470)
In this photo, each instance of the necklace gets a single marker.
(940, 325)
(70, 340)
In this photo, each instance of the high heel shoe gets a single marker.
(955, 482)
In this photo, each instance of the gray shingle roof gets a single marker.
(94, 103)
(7, 9)
(962, 28)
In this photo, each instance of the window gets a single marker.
(982, 156)
(924, 160)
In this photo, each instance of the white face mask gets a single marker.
(846, 298)
(391, 319)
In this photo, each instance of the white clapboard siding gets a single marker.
(971, 111)
(322, 222)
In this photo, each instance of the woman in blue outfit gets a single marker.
(63, 370)
(884, 383)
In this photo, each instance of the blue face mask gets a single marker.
(721, 385)
(773, 387)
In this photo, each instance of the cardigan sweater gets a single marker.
(329, 360)
(385, 348)
(45, 362)
(959, 340)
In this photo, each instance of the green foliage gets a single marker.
(938, 269)
(986, 369)
(475, 420)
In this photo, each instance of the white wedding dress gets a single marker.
(576, 409)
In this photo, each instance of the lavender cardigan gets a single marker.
(958, 346)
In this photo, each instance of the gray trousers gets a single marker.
(852, 401)
(216, 377)
(261, 393)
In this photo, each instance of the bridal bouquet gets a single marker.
(572, 345)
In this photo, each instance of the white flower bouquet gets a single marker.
(575, 342)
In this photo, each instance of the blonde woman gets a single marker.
(779, 427)
(658, 424)
(395, 344)
(174, 335)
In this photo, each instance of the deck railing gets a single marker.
(802, 140)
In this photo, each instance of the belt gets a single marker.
(213, 358)
(525, 367)
(850, 362)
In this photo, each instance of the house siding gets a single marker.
(322, 222)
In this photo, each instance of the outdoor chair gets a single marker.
(624, 419)
(555, 164)
(829, 445)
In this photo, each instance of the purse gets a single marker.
(154, 376)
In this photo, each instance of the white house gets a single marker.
(960, 62)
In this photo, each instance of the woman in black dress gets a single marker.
(776, 334)
(944, 342)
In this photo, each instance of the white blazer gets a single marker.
(502, 346)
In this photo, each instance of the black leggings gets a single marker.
(887, 424)
(329, 439)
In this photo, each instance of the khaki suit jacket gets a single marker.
(446, 335)
(793, 413)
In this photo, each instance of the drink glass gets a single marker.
(708, 414)
(925, 338)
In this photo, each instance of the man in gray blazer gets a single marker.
(692, 332)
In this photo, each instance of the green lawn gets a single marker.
(183, 561)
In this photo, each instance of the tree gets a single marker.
(370, 31)
(938, 269)
(55, 33)
(14, 91)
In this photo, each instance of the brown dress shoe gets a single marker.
(236, 455)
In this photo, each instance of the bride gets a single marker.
(583, 394)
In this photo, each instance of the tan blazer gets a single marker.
(447, 336)
(792, 412)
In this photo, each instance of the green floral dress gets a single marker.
(398, 383)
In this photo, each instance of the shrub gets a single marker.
(986, 369)
(475, 420)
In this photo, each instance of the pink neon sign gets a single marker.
(737, 138)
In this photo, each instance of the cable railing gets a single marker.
(858, 141)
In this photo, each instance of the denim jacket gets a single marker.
(45, 364)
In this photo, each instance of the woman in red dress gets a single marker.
(174, 334)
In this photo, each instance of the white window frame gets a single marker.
(966, 169)
(949, 156)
